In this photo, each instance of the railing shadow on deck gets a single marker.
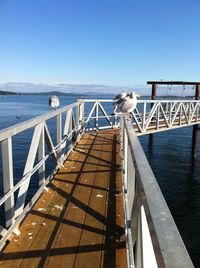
(112, 233)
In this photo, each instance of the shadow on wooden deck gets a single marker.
(88, 229)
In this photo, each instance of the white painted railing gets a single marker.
(160, 115)
(150, 116)
(98, 112)
(66, 135)
(145, 207)
(153, 239)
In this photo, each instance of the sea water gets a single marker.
(169, 154)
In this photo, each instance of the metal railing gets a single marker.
(14, 198)
(151, 231)
(160, 115)
(150, 116)
(98, 113)
(153, 239)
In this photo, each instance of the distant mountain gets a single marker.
(50, 93)
(64, 88)
(93, 89)
(2, 92)
(58, 93)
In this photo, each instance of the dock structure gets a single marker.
(100, 206)
(196, 85)
(79, 220)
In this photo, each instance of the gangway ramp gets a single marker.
(79, 220)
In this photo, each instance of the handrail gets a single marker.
(13, 130)
(150, 116)
(15, 210)
(144, 100)
(148, 216)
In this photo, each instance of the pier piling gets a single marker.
(195, 127)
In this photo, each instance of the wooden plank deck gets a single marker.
(79, 222)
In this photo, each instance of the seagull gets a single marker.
(54, 102)
(118, 99)
(120, 96)
(126, 104)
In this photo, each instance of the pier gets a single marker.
(101, 205)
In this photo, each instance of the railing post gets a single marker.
(78, 114)
(82, 111)
(7, 164)
(59, 132)
(158, 117)
(180, 114)
(138, 248)
(125, 157)
(170, 113)
(41, 155)
(97, 116)
(144, 116)
(115, 121)
(195, 127)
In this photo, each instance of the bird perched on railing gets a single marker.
(125, 102)
(54, 102)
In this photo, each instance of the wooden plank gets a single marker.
(78, 222)
(92, 237)
(46, 236)
(69, 235)
(33, 222)
(114, 253)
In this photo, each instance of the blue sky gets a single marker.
(99, 42)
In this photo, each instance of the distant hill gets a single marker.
(58, 93)
(66, 88)
(50, 93)
(2, 92)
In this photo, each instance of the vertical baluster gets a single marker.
(170, 113)
(158, 117)
(189, 113)
(130, 181)
(7, 164)
(144, 116)
(148, 254)
(125, 157)
(180, 114)
(41, 155)
(96, 116)
(78, 115)
(167, 108)
(59, 133)
(82, 114)
(115, 121)
(138, 250)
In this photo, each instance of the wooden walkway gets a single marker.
(79, 221)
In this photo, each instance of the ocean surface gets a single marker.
(169, 154)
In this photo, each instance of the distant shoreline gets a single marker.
(8, 93)
(86, 94)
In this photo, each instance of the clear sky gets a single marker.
(110, 42)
